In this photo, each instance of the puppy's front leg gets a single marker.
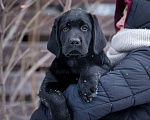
(51, 97)
(88, 82)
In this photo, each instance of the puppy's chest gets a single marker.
(72, 72)
(75, 65)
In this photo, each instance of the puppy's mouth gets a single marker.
(75, 53)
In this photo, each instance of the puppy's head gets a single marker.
(75, 33)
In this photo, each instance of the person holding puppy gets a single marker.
(123, 92)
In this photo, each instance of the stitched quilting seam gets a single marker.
(106, 94)
(113, 101)
(129, 87)
(143, 67)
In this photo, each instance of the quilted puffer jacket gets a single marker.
(123, 93)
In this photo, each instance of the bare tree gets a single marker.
(8, 31)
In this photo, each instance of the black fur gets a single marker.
(77, 41)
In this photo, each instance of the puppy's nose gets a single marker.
(75, 41)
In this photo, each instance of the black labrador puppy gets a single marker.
(77, 41)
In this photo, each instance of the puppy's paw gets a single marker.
(57, 105)
(88, 88)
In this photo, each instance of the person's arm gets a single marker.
(139, 112)
(126, 85)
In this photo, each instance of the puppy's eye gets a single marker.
(65, 28)
(84, 28)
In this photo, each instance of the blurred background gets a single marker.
(25, 26)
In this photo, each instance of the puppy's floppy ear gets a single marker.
(99, 40)
(53, 44)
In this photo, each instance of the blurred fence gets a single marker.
(25, 26)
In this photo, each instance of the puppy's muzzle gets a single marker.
(75, 41)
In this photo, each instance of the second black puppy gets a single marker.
(77, 41)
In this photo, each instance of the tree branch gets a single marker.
(2, 84)
(21, 37)
(16, 25)
(29, 73)
(2, 5)
(68, 5)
